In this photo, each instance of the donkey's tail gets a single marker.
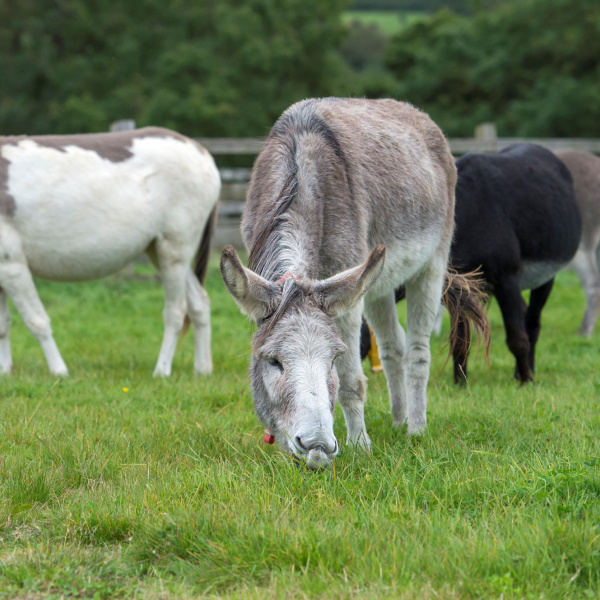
(464, 297)
(201, 260)
(203, 254)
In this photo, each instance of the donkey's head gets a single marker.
(293, 372)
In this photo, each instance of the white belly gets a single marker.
(535, 273)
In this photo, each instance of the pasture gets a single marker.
(389, 21)
(114, 484)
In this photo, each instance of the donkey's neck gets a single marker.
(293, 249)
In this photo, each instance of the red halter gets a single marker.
(282, 279)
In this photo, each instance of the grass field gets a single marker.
(113, 484)
(390, 22)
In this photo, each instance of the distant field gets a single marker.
(390, 22)
(117, 485)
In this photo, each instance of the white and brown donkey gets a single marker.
(342, 183)
(80, 207)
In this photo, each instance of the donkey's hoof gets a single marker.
(362, 442)
(203, 370)
(60, 372)
(161, 373)
(400, 422)
(417, 428)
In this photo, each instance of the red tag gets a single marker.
(269, 438)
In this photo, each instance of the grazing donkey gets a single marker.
(585, 169)
(516, 217)
(337, 178)
(80, 207)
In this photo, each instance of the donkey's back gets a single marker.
(376, 172)
(72, 198)
(515, 211)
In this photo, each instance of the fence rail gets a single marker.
(252, 146)
(235, 180)
(485, 140)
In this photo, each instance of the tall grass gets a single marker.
(114, 484)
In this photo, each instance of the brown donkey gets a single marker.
(585, 169)
(340, 183)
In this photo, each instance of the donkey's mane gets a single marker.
(300, 120)
(292, 294)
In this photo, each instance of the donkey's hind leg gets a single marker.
(533, 324)
(513, 308)
(382, 316)
(173, 264)
(423, 296)
(585, 264)
(5, 355)
(198, 310)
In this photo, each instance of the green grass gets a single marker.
(166, 490)
(390, 22)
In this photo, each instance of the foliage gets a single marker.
(114, 484)
(416, 5)
(387, 22)
(364, 45)
(206, 68)
(531, 66)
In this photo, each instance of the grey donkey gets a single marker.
(349, 199)
(585, 169)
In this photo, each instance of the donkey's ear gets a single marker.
(255, 296)
(341, 292)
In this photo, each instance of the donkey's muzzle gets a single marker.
(318, 453)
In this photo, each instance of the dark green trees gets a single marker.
(205, 67)
(532, 66)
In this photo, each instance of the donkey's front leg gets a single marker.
(18, 284)
(423, 295)
(352, 394)
(381, 315)
(5, 354)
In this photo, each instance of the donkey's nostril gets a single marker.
(320, 445)
(300, 444)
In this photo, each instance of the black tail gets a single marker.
(203, 254)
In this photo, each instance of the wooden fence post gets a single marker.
(487, 135)
(122, 125)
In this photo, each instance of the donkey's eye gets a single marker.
(275, 363)
(335, 357)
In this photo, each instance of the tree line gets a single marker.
(230, 67)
